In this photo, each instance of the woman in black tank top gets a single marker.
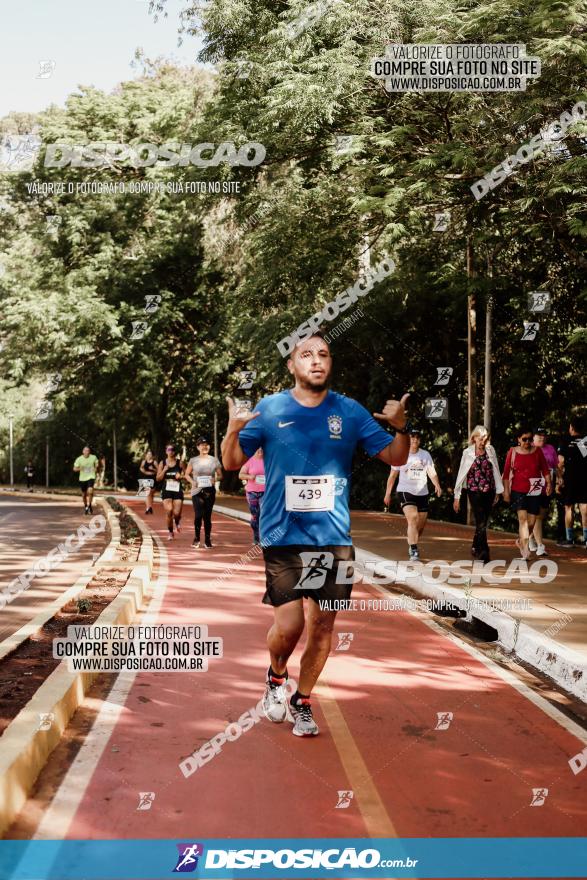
(170, 472)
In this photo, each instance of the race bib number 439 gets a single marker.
(303, 494)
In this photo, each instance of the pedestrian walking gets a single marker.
(525, 475)
(480, 478)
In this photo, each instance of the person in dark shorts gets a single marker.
(412, 490)
(573, 473)
(525, 476)
(148, 470)
(170, 474)
(308, 435)
(86, 465)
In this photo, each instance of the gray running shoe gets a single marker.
(301, 713)
(275, 702)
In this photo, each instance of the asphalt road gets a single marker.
(30, 527)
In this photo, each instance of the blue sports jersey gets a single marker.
(305, 442)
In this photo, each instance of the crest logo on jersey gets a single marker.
(335, 427)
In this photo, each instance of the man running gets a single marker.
(309, 435)
(412, 490)
(573, 471)
(86, 464)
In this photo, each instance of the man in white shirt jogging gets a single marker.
(412, 490)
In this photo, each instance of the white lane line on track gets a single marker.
(59, 815)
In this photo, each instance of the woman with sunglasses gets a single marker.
(170, 473)
(525, 476)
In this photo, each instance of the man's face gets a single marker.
(86, 451)
(204, 448)
(539, 439)
(414, 444)
(311, 364)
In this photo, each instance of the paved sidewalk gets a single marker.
(384, 534)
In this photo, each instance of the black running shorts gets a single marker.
(406, 499)
(530, 503)
(298, 571)
(86, 484)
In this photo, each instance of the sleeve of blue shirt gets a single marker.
(251, 437)
(370, 434)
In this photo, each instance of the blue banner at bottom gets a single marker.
(270, 858)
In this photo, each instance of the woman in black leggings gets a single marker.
(202, 472)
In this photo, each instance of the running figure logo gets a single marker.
(187, 861)
(539, 301)
(146, 799)
(152, 301)
(344, 641)
(139, 328)
(444, 374)
(44, 411)
(343, 143)
(539, 795)
(441, 221)
(436, 408)
(19, 152)
(444, 719)
(316, 567)
(46, 69)
(344, 800)
(246, 379)
(530, 331)
(46, 719)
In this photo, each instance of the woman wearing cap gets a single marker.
(525, 475)
(412, 491)
(479, 475)
(170, 473)
(202, 472)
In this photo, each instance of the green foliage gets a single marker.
(237, 273)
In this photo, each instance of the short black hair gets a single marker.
(524, 430)
(578, 424)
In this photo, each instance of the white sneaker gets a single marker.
(541, 550)
(532, 545)
(304, 724)
(275, 702)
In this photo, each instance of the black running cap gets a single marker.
(542, 431)
(415, 433)
(201, 440)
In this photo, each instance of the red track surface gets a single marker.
(377, 735)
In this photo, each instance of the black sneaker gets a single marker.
(301, 712)
(86, 510)
(208, 544)
(196, 544)
(565, 543)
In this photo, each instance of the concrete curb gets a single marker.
(564, 666)
(25, 745)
